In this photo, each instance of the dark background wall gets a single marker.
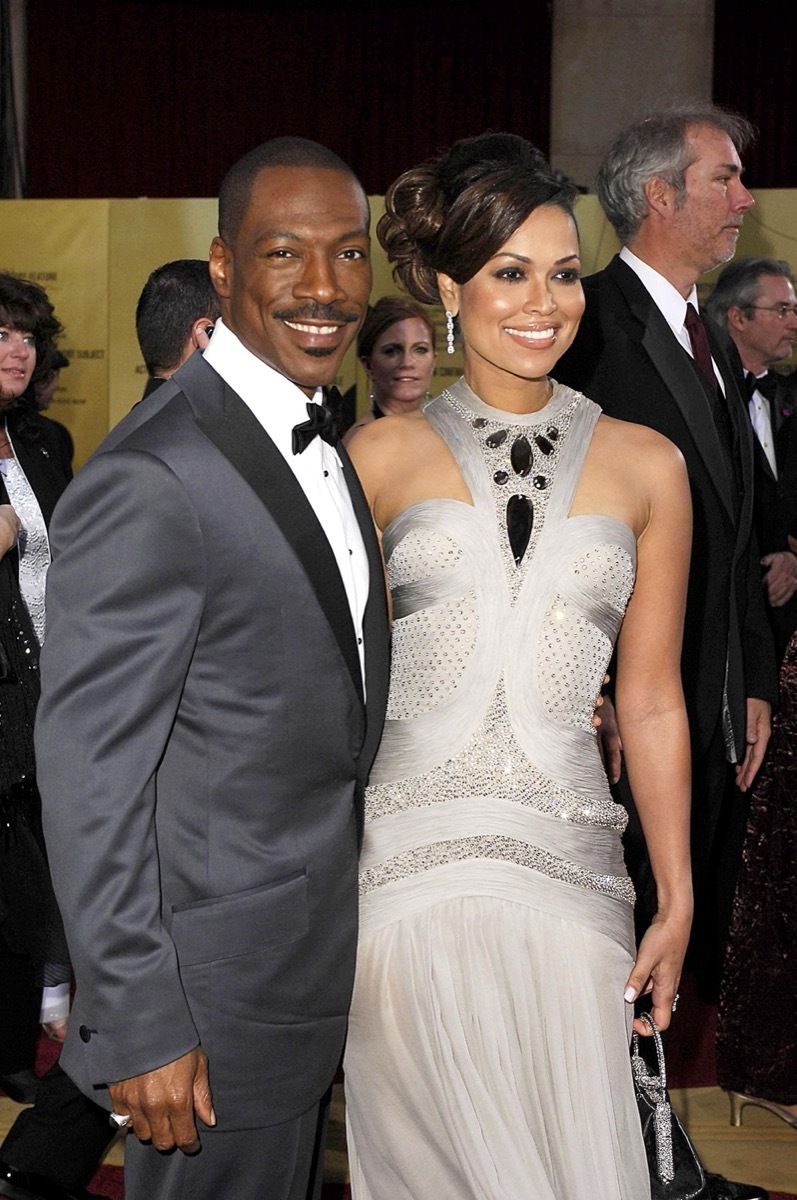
(160, 97)
(754, 72)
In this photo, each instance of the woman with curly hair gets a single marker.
(523, 533)
(34, 470)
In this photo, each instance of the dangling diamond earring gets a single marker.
(449, 332)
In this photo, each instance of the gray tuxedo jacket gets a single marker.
(202, 746)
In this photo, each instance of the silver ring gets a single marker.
(675, 1000)
(119, 1120)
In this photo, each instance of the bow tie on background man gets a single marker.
(323, 420)
(766, 384)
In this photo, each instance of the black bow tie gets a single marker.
(766, 384)
(321, 421)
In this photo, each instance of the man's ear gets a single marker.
(200, 333)
(737, 317)
(449, 293)
(220, 267)
(660, 196)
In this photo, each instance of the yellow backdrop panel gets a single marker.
(144, 234)
(63, 245)
(93, 257)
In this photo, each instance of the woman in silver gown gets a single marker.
(488, 1046)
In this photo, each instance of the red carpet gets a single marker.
(690, 1044)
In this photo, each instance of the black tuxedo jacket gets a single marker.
(626, 358)
(201, 667)
(776, 498)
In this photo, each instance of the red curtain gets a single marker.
(160, 97)
(754, 73)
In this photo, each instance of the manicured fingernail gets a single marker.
(629, 995)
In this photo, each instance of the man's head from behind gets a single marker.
(292, 259)
(754, 298)
(674, 178)
(175, 314)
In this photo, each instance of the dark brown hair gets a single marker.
(382, 315)
(453, 213)
(24, 306)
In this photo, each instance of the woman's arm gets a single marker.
(652, 720)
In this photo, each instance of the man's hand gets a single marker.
(163, 1102)
(9, 528)
(609, 743)
(757, 736)
(780, 577)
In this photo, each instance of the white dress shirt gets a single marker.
(668, 301)
(761, 420)
(278, 405)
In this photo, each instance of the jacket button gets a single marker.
(85, 1033)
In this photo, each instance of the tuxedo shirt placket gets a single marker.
(760, 409)
(279, 405)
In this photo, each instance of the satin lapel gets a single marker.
(240, 437)
(375, 621)
(744, 436)
(679, 376)
(761, 459)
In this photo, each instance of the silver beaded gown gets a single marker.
(487, 1056)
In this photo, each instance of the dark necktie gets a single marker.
(321, 422)
(700, 347)
(766, 384)
(719, 406)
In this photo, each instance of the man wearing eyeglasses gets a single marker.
(754, 299)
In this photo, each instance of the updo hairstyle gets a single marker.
(453, 213)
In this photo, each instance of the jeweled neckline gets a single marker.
(465, 396)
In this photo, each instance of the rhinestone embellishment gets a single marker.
(518, 514)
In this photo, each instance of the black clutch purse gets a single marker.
(676, 1172)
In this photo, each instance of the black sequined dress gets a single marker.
(756, 1032)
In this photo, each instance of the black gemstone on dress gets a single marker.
(520, 456)
(479, 422)
(496, 439)
(540, 482)
(501, 476)
(519, 522)
(543, 444)
(552, 433)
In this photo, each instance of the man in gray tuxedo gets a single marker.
(213, 688)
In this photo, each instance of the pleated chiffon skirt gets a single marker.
(488, 1058)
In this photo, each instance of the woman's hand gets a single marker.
(657, 970)
(9, 528)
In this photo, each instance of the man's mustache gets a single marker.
(317, 312)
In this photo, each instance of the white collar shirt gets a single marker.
(668, 301)
(761, 420)
(278, 405)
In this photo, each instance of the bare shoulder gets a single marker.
(639, 446)
(387, 435)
